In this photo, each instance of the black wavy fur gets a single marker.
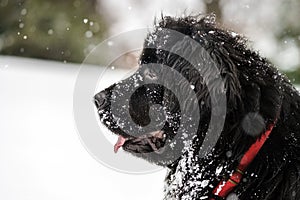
(257, 95)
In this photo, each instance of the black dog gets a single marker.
(163, 113)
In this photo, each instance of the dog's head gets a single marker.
(142, 112)
(175, 85)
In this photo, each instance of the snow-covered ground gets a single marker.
(41, 156)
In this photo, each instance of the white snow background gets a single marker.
(41, 156)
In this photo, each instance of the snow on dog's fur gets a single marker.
(257, 95)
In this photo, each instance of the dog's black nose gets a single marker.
(100, 100)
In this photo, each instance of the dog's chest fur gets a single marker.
(193, 177)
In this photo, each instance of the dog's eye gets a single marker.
(150, 74)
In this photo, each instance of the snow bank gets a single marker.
(41, 156)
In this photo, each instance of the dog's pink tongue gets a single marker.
(119, 143)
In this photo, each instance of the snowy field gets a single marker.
(41, 156)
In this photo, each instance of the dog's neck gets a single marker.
(193, 177)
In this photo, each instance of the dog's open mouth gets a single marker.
(151, 142)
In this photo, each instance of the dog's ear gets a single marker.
(270, 102)
(261, 103)
(248, 90)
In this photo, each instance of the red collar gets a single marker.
(225, 187)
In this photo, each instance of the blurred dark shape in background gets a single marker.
(290, 32)
(58, 30)
(286, 32)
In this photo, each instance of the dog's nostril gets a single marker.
(100, 100)
(96, 103)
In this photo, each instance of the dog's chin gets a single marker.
(147, 143)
